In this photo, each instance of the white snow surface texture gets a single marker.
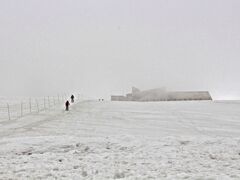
(124, 140)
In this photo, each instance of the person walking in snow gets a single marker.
(67, 104)
(72, 99)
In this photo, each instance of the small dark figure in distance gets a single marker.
(72, 99)
(67, 104)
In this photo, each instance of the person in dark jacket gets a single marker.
(67, 104)
(72, 99)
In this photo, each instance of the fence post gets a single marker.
(30, 105)
(9, 117)
(58, 99)
(49, 102)
(54, 100)
(37, 105)
(21, 109)
(44, 103)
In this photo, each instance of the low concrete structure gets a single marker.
(118, 98)
(161, 94)
(189, 96)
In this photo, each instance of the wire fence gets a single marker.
(11, 111)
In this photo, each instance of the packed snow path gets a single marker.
(124, 140)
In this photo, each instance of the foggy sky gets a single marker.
(98, 48)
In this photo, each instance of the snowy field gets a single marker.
(124, 140)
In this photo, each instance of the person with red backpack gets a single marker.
(67, 104)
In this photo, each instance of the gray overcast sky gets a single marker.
(103, 47)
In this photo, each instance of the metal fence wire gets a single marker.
(11, 111)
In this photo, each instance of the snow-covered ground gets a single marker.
(124, 140)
